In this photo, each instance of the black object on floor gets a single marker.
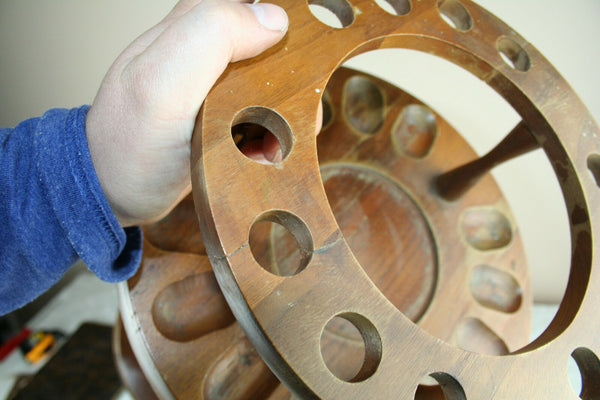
(83, 368)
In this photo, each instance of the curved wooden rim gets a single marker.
(285, 329)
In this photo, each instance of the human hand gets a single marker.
(140, 125)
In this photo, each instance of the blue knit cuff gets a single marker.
(73, 189)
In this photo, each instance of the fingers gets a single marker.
(271, 148)
(185, 59)
(319, 124)
(271, 17)
(265, 148)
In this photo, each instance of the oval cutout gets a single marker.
(191, 308)
(395, 7)
(455, 14)
(447, 388)
(475, 336)
(239, 374)
(486, 229)
(415, 130)
(513, 54)
(333, 13)
(495, 289)
(364, 104)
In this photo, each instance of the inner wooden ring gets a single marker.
(284, 331)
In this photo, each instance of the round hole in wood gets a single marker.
(262, 135)
(495, 289)
(342, 348)
(363, 104)
(351, 347)
(593, 164)
(486, 228)
(290, 233)
(589, 368)
(429, 389)
(513, 54)
(415, 130)
(448, 389)
(455, 14)
(333, 13)
(395, 7)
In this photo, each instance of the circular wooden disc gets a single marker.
(285, 316)
(430, 262)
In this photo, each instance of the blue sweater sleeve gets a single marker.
(53, 210)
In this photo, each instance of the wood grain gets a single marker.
(376, 201)
(284, 316)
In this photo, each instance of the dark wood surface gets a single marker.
(284, 316)
(414, 250)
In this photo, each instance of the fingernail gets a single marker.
(277, 157)
(273, 154)
(270, 16)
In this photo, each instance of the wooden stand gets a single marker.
(378, 260)
(457, 269)
(285, 316)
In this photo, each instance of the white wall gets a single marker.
(54, 53)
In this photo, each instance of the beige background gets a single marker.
(54, 53)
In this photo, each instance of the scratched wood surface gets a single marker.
(450, 267)
(285, 314)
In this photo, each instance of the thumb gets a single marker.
(273, 21)
(185, 60)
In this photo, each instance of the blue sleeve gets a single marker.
(53, 210)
